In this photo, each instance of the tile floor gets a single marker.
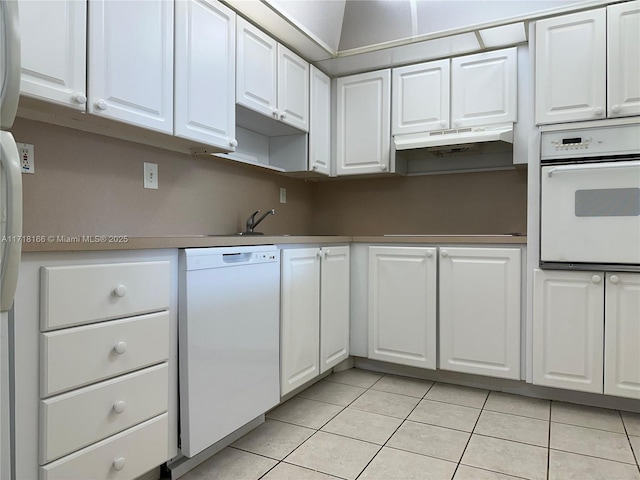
(365, 425)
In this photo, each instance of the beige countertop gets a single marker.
(61, 243)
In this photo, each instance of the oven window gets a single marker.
(608, 202)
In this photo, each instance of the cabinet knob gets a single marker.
(120, 291)
(443, 124)
(283, 116)
(383, 168)
(596, 278)
(119, 406)
(101, 105)
(233, 143)
(319, 254)
(444, 253)
(80, 98)
(598, 111)
(119, 463)
(614, 279)
(429, 254)
(120, 347)
(456, 123)
(315, 166)
(615, 109)
(274, 112)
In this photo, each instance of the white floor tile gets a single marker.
(286, 471)
(305, 412)
(231, 464)
(458, 395)
(413, 387)
(384, 403)
(631, 423)
(518, 405)
(635, 445)
(592, 442)
(424, 439)
(367, 426)
(391, 464)
(274, 439)
(570, 466)
(355, 377)
(465, 472)
(503, 456)
(584, 416)
(445, 415)
(334, 455)
(331, 392)
(513, 427)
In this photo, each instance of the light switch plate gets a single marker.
(151, 175)
(283, 195)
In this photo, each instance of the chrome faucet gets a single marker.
(253, 223)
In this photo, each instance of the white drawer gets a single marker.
(81, 355)
(80, 294)
(79, 418)
(140, 449)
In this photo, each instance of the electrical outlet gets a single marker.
(283, 195)
(27, 157)
(151, 175)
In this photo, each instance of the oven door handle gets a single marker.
(592, 166)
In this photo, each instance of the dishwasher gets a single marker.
(229, 340)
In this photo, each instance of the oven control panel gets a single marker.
(590, 142)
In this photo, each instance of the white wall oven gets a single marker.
(590, 198)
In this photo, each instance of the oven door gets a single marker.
(590, 215)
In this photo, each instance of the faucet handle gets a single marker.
(251, 220)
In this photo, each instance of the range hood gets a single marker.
(454, 141)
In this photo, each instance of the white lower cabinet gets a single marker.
(402, 305)
(314, 325)
(97, 396)
(480, 311)
(586, 331)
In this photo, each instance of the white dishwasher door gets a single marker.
(229, 339)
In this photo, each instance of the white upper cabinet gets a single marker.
(568, 328)
(484, 88)
(623, 66)
(420, 98)
(53, 43)
(480, 311)
(622, 335)
(363, 125)
(131, 62)
(571, 67)
(402, 305)
(205, 66)
(320, 123)
(272, 80)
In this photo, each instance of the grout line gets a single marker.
(591, 428)
(592, 456)
(471, 434)
(549, 441)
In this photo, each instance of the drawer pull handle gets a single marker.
(120, 347)
(119, 463)
(120, 291)
(119, 406)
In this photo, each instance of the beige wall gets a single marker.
(87, 184)
(461, 203)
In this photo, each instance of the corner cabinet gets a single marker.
(53, 43)
(314, 324)
(205, 73)
(586, 64)
(480, 299)
(586, 328)
(131, 62)
(363, 123)
(402, 305)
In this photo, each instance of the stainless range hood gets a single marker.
(454, 141)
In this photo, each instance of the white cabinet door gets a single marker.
(623, 52)
(205, 73)
(622, 335)
(300, 317)
(256, 69)
(334, 306)
(480, 311)
(363, 123)
(320, 123)
(131, 62)
(484, 88)
(420, 98)
(568, 328)
(293, 89)
(402, 305)
(571, 67)
(53, 44)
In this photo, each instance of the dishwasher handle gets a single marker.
(243, 257)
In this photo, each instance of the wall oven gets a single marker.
(590, 198)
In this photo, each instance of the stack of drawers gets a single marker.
(104, 346)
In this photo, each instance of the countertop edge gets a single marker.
(102, 243)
